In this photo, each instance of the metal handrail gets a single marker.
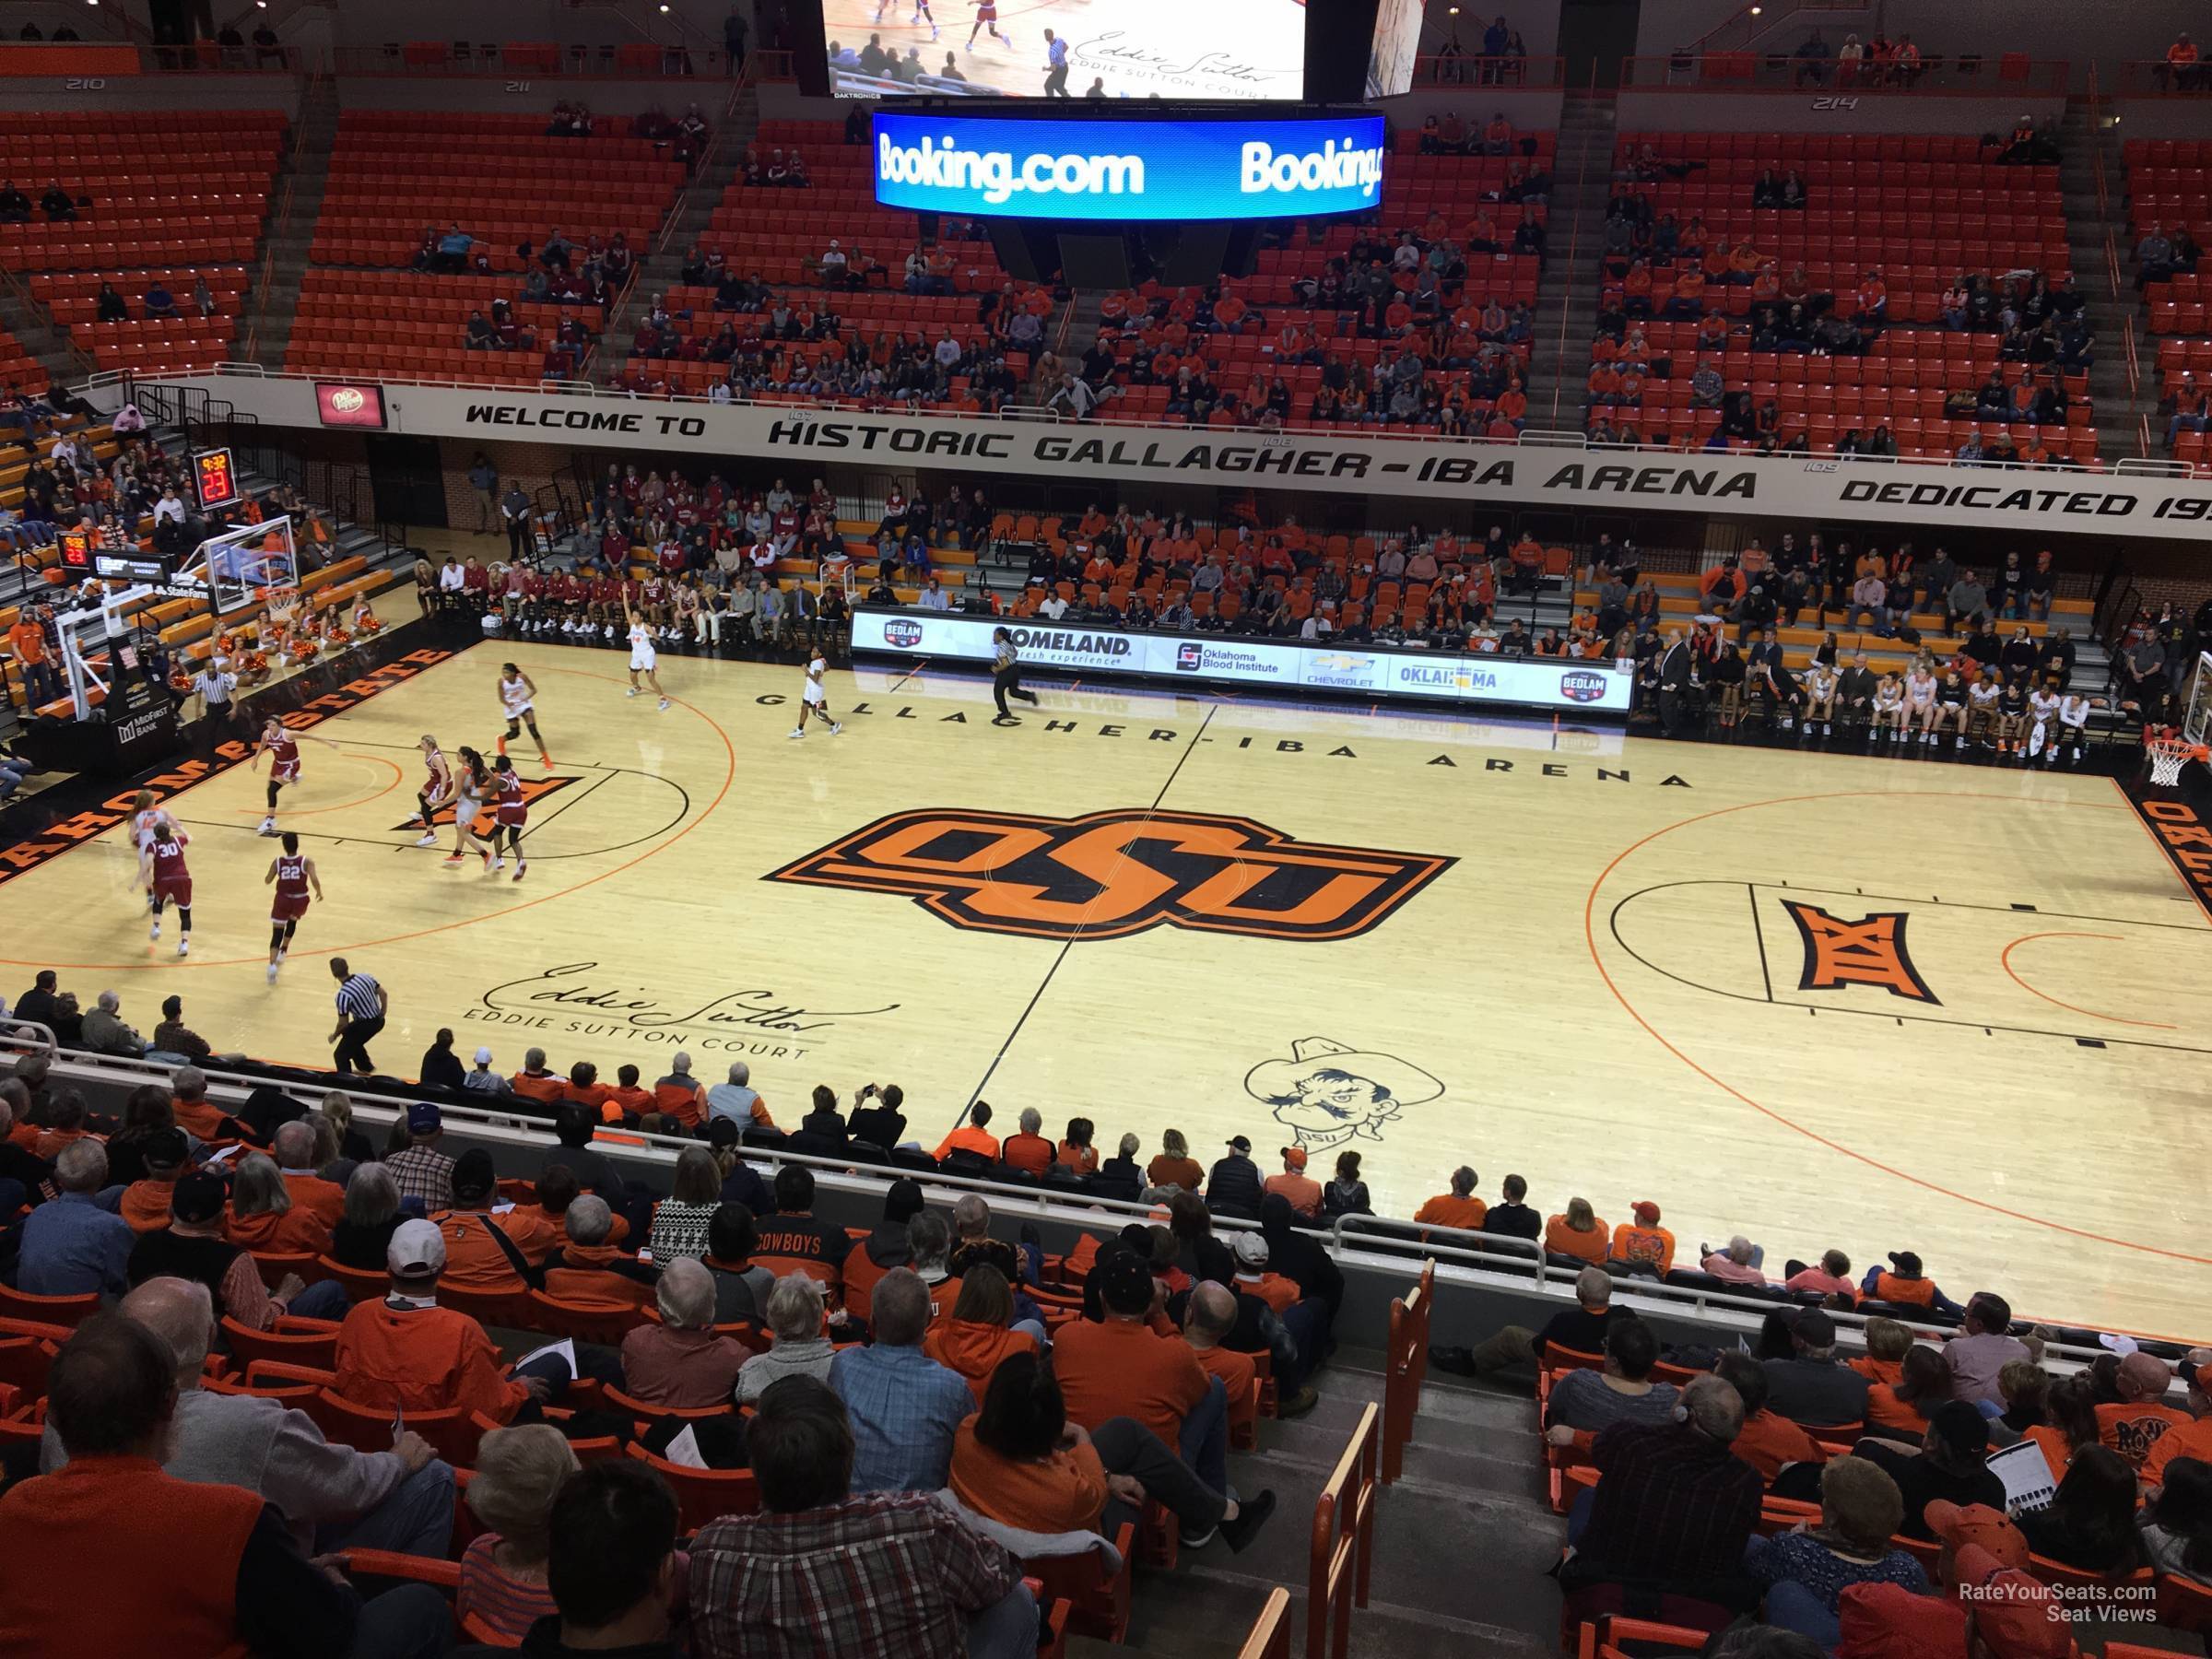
(1739, 72)
(1270, 1637)
(1343, 1549)
(533, 60)
(1516, 74)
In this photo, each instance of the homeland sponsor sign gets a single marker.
(1214, 659)
(1481, 474)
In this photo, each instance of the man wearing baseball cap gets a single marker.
(1812, 1386)
(193, 1247)
(422, 1170)
(1905, 1283)
(1986, 1594)
(482, 1078)
(1254, 1279)
(2193, 1439)
(1951, 1466)
(405, 1353)
(1295, 1185)
(1643, 1245)
(1233, 1188)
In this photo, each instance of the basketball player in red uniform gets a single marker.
(510, 814)
(294, 874)
(281, 743)
(434, 789)
(161, 869)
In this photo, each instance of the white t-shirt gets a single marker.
(641, 646)
(812, 692)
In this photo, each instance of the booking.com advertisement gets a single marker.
(1230, 660)
(994, 166)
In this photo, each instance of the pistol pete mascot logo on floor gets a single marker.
(1108, 874)
(1326, 1093)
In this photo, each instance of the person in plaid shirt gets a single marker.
(422, 1170)
(820, 1573)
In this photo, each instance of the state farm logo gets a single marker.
(1582, 686)
(346, 400)
(902, 632)
(1108, 874)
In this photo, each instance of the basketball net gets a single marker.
(2169, 752)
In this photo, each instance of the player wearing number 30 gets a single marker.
(282, 746)
(510, 812)
(294, 874)
(643, 658)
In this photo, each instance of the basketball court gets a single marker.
(1820, 1000)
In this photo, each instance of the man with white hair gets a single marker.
(72, 1247)
(1737, 1265)
(1028, 1150)
(334, 1496)
(586, 1268)
(972, 1244)
(680, 1095)
(293, 1147)
(1674, 1505)
(680, 1364)
(104, 1032)
(738, 1100)
(1581, 1328)
(905, 1407)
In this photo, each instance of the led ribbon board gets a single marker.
(1118, 171)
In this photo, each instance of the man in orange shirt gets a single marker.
(475, 1259)
(1254, 1280)
(1207, 1317)
(626, 1101)
(679, 1095)
(26, 645)
(589, 1269)
(1642, 1243)
(1122, 1368)
(407, 1353)
(1459, 1208)
(971, 1135)
(2192, 1439)
(293, 1147)
(1028, 1151)
(2141, 1417)
(535, 1082)
(1295, 1185)
(1767, 1442)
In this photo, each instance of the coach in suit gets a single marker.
(1677, 672)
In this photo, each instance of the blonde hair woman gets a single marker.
(1174, 1167)
(1578, 1233)
(519, 1473)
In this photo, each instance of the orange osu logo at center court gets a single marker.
(1870, 951)
(1107, 875)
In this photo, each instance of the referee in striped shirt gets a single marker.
(363, 1004)
(1005, 675)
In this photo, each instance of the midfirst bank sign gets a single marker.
(1924, 496)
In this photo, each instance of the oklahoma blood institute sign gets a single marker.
(1843, 488)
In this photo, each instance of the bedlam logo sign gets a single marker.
(1108, 874)
(1582, 686)
(902, 632)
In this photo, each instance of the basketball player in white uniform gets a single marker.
(2043, 725)
(1888, 708)
(813, 699)
(434, 788)
(517, 701)
(1981, 720)
(470, 788)
(1820, 698)
(148, 821)
(1920, 701)
(643, 659)
(2074, 723)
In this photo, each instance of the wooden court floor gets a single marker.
(1820, 1000)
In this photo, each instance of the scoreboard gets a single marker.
(216, 477)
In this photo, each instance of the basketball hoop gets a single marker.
(2169, 752)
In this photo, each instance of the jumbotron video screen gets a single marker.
(1236, 50)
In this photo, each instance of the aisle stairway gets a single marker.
(1581, 180)
(1466, 1529)
(296, 202)
(2119, 423)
